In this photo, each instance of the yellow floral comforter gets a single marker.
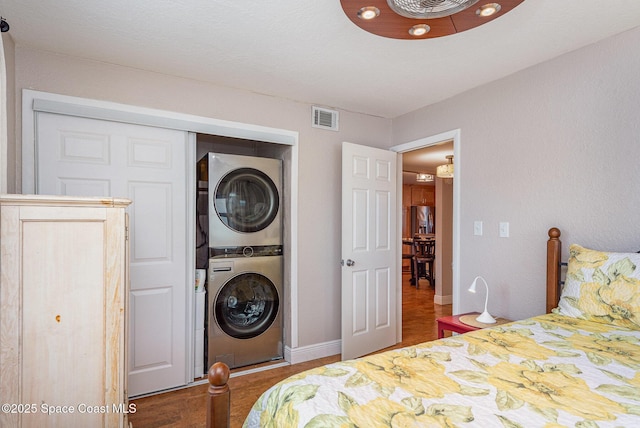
(547, 371)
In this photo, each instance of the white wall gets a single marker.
(557, 144)
(319, 156)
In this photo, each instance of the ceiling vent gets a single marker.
(324, 118)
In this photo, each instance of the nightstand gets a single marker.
(453, 324)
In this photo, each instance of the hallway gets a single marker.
(419, 313)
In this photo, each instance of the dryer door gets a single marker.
(246, 305)
(246, 200)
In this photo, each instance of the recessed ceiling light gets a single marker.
(368, 12)
(419, 30)
(488, 9)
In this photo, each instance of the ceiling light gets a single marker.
(419, 30)
(368, 12)
(446, 170)
(423, 178)
(488, 9)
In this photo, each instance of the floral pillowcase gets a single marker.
(602, 286)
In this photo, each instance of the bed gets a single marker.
(576, 366)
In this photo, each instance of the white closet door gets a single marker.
(87, 157)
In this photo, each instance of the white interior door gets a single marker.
(87, 157)
(369, 249)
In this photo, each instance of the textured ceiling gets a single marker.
(308, 50)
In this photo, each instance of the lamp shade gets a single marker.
(485, 317)
(445, 171)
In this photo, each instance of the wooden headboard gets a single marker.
(554, 264)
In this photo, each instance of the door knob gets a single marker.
(350, 262)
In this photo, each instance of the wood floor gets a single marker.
(186, 407)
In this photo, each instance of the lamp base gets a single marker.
(486, 318)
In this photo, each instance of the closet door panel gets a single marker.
(88, 157)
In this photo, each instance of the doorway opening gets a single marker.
(423, 156)
(222, 334)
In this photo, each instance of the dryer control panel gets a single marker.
(245, 251)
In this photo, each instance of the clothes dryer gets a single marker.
(244, 201)
(245, 310)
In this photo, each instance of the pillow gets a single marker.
(602, 286)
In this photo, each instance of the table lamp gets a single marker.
(484, 317)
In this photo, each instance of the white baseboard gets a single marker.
(299, 355)
(443, 300)
(312, 352)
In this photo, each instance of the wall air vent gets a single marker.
(324, 118)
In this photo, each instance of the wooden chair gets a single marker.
(423, 257)
(409, 256)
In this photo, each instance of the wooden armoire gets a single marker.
(63, 294)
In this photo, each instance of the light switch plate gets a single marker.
(504, 229)
(477, 228)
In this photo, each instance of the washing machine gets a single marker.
(245, 309)
(244, 200)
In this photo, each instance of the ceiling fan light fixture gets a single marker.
(368, 12)
(419, 30)
(429, 9)
(488, 9)
(396, 19)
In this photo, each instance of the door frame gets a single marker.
(34, 102)
(414, 145)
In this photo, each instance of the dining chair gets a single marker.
(423, 257)
(409, 256)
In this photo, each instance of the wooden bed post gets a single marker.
(554, 250)
(218, 404)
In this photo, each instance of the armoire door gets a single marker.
(86, 157)
(62, 316)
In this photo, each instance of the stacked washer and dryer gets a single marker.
(245, 279)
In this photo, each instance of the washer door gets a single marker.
(246, 305)
(246, 200)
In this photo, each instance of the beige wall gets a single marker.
(319, 156)
(553, 145)
(444, 238)
(557, 144)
